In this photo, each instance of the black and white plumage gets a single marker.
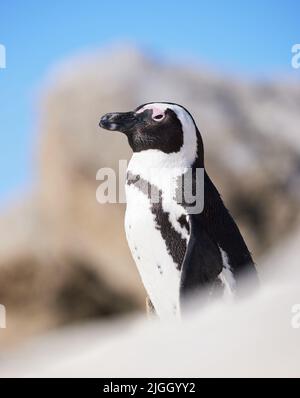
(177, 253)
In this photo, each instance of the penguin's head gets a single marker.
(160, 127)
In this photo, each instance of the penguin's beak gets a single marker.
(118, 121)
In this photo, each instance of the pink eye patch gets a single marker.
(157, 113)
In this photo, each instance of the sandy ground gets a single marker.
(258, 337)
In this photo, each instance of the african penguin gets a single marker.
(177, 252)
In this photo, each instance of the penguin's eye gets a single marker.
(158, 117)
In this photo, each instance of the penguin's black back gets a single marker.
(220, 226)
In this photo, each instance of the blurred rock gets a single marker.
(63, 256)
(250, 132)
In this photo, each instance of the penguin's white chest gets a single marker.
(152, 252)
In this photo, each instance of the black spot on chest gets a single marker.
(175, 244)
(183, 222)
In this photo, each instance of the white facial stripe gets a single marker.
(157, 107)
(157, 113)
(189, 149)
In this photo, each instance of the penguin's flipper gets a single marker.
(202, 262)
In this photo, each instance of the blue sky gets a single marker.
(253, 38)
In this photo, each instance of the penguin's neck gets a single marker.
(159, 168)
(160, 175)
